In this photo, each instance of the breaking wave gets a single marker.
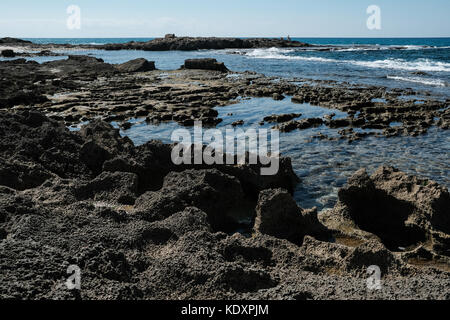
(399, 64)
(425, 65)
(432, 82)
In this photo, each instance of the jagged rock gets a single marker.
(279, 118)
(209, 190)
(137, 65)
(371, 253)
(77, 65)
(278, 215)
(105, 136)
(205, 64)
(117, 187)
(21, 176)
(190, 219)
(277, 96)
(299, 124)
(171, 244)
(93, 155)
(403, 211)
(8, 53)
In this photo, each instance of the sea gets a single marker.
(420, 64)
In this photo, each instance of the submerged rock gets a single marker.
(279, 118)
(299, 124)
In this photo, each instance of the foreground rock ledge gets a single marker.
(141, 228)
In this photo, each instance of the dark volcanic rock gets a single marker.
(9, 40)
(117, 187)
(299, 124)
(82, 65)
(238, 123)
(8, 53)
(209, 190)
(55, 211)
(279, 118)
(137, 65)
(205, 64)
(278, 215)
(188, 95)
(190, 43)
(403, 211)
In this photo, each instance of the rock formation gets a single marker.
(143, 228)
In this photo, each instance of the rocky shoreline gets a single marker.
(172, 42)
(140, 227)
(79, 88)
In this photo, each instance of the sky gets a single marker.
(231, 18)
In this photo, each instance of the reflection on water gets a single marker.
(324, 166)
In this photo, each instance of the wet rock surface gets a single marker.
(144, 228)
(139, 227)
(82, 88)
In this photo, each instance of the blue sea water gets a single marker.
(422, 64)
(323, 166)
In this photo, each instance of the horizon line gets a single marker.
(311, 37)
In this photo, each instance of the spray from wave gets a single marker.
(431, 82)
(425, 65)
(399, 64)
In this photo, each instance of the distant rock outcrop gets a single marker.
(9, 40)
(171, 42)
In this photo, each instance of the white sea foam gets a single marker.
(425, 65)
(271, 53)
(277, 53)
(399, 64)
(432, 82)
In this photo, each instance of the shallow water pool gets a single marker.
(324, 166)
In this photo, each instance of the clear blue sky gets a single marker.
(149, 18)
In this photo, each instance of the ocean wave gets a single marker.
(270, 53)
(399, 64)
(382, 48)
(432, 82)
(425, 65)
(277, 53)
